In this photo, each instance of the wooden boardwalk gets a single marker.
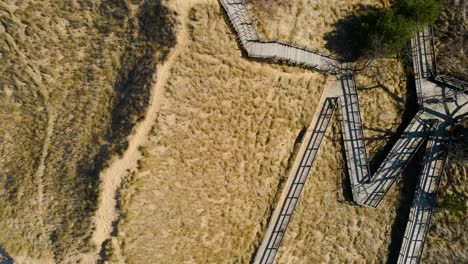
(368, 190)
(442, 112)
(241, 20)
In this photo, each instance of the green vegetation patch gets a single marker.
(455, 204)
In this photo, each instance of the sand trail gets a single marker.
(120, 167)
(39, 174)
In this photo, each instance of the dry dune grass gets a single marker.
(221, 144)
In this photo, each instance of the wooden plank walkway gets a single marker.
(291, 54)
(367, 190)
(424, 62)
(241, 20)
(441, 115)
(353, 135)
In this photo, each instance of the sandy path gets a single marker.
(39, 174)
(112, 177)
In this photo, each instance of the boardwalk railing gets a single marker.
(367, 191)
(370, 190)
(417, 71)
(423, 42)
(241, 20)
(292, 54)
(424, 61)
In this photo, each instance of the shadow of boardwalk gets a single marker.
(279, 188)
(344, 182)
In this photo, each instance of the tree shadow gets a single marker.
(349, 40)
(459, 149)
(384, 88)
(131, 89)
(386, 134)
(344, 192)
